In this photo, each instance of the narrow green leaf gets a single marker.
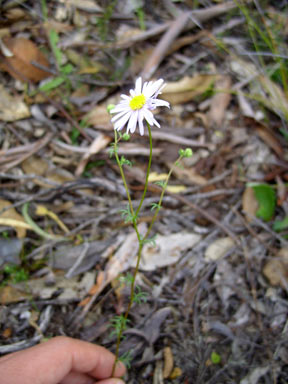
(52, 84)
(54, 39)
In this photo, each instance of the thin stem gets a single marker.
(122, 173)
(141, 241)
(161, 197)
(147, 172)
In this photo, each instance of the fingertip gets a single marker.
(110, 381)
(120, 369)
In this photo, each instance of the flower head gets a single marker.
(135, 108)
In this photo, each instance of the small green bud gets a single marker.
(185, 152)
(110, 107)
(126, 137)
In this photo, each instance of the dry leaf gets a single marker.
(99, 117)
(276, 269)
(187, 88)
(18, 221)
(168, 362)
(276, 99)
(190, 175)
(175, 373)
(220, 101)
(176, 188)
(219, 248)
(154, 176)
(35, 165)
(249, 203)
(18, 55)
(12, 108)
(12, 295)
(267, 135)
(168, 250)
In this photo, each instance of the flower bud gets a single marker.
(110, 107)
(185, 152)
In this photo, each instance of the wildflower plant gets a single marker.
(133, 111)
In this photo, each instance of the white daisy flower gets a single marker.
(133, 109)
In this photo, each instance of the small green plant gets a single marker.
(14, 274)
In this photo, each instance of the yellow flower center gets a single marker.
(137, 102)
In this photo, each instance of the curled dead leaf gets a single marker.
(168, 362)
(187, 88)
(20, 57)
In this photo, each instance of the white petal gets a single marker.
(140, 122)
(120, 108)
(121, 123)
(156, 123)
(119, 115)
(160, 103)
(148, 115)
(132, 122)
(153, 88)
(125, 97)
(138, 86)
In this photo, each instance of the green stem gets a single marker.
(147, 172)
(122, 173)
(161, 198)
(140, 241)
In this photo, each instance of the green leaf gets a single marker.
(74, 134)
(280, 225)
(215, 358)
(266, 197)
(155, 206)
(126, 358)
(54, 39)
(161, 183)
(67, 69)
(52, 84)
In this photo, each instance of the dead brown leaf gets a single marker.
(12, 108)
(168, 362)
(187, 88)
(220, 101)
(99, 117)
(12, 295)
(276, 269)
(267, 135)
(249, 203)
(18, 55)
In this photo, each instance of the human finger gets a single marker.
(56, 358)
(110, 381)
(77, 378)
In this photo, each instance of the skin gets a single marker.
(61, 360)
